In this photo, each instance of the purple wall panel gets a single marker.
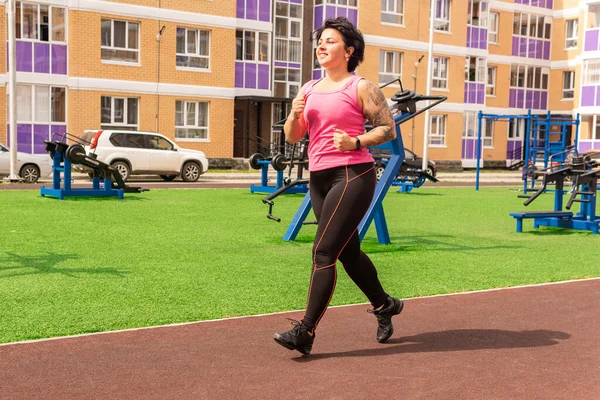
(24, 56)
(280, 64)
(544, 100)
(587, 95)
(591, 40)
(598, 95)
(529, 99)
(469, 32)
(483, 35)
(239, 9)
(264, 11)
(316, 74)
(481, 93)
(294, 65)
(522, 47)
(263, 76)
(329, 12)
(512, 96)
(531, 49)
(251, 9)
(353, 16)
(296, 1)
(59, 59)
(24, 138)
(520, 98)
(584, 146)
(550, 4)
(41, 53)
(239, 74)
(539, 49)
(40, 133)
(515, 45)
(341, 11)
(250, 76)
(318, 17)
(536, 100)
(546, 50)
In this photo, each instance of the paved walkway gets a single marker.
(538, 342)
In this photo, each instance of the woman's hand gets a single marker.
(297, 107)
(342, 141)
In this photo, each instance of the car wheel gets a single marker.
(430, 171)
(123, 169)
(168, 178)
(190, 171)
(30, 173)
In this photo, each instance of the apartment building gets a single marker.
(215, 75)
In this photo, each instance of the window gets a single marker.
(390, 66)
(119, 113)
(516, 127)
(440, 73)
(571, 33)
(591, 72)
(350, 3)
(532, 26)
(247, 49)
(475, 69)
(477, 15)
(490, 86)
(191, 120)
(286, 82)
(568, 84)
(41, 104)
(470, 124)
(288, 32)
(40, 22)
(493, 29)
(392, 11)
(441, 21)
(487, 136)
(119, 41)
(522, 76)
(193, 48)
(279, 111)
(437, 135)
(594, 15)
(596, 127)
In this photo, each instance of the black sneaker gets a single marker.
(298, 338)
(384, 316)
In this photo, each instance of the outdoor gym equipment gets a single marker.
(584, 174)
(403, 109)
(408, 179)
(546, 141)
(64, 156)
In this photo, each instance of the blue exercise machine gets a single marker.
(403, 109)
(64, 156)
(584, 174)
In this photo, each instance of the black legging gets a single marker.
(340, 198)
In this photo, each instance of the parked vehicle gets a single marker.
(30, 167)
(411, 162)
(143, 153)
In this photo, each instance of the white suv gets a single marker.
(147, 153)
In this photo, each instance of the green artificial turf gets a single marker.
(167, 256)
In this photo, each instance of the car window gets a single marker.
(87, 136)
(160, 143)
(135, 141)
(3, 149)
(118, 139)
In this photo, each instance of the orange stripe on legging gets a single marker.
(358, 176)
(315, 256)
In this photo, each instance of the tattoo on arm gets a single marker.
(377, 111)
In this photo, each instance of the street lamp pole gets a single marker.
(12, 88)
(428, 93)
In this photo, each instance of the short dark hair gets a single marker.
(352, 38)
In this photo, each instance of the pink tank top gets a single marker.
(323, 112)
